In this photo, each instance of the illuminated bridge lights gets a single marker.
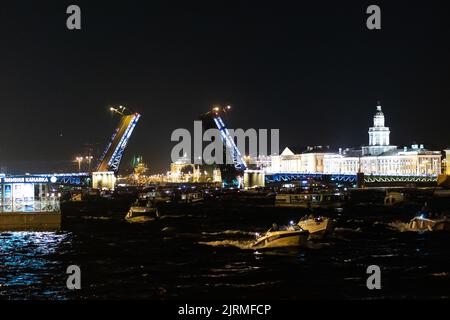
(229, 141)
(282, 177)
(118, 153)
(81, 178)
(75, 178)
(111, 157)
(411, 179)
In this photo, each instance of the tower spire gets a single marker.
(378, 135)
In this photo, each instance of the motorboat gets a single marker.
(291, 236)
(142, 213)
(420, 223)
(317, 227)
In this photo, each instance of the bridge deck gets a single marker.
(280, 177)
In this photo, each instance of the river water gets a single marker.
(203, 254)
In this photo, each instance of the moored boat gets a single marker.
(191, 197)
(310, 200)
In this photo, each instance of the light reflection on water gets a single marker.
(182, 258)
(28, 261)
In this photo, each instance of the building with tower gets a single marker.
(379, 157)
(378, 136)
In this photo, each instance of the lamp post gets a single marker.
(79, 159)
(120, 110)
(89, 159)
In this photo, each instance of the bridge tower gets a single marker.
(228, 140)
(239, 166)
(447, 162)
(109, 163)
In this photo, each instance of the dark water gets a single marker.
(201, 253)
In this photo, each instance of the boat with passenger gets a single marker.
(142, 212)
(422, 223)
(278, 237)
(318, 227)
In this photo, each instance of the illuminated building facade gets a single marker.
(183, 170)
(414, 161)
(217, 176)
(27, 194)
(447, 162)
(378, 136)
(103, 180)
(311, 161)
(378, 158)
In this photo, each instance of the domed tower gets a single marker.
(378, 118)
(378, 135)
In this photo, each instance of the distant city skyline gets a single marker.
(378, 157)
(313, 71)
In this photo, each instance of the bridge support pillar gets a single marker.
(443, 180)
(254, 178)
(447, 162)
(360, 179)
(103, 180)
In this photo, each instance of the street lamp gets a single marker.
(217, 109)
(120, 110)
(89, 159)
(79, 159)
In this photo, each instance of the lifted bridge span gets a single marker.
(111, 157)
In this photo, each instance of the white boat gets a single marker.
(421, 223)
(292, 236)
(317, 227)
(142, 213)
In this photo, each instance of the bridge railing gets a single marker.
(280, 177)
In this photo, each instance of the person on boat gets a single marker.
(424, 212)
(310, 208)
(149, 203)
(274, 227)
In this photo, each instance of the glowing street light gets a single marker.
(79, 159)
(120, 110)
(89, 159)
(217, 109)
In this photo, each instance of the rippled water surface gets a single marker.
(204, 254)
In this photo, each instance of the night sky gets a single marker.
(312, 70)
